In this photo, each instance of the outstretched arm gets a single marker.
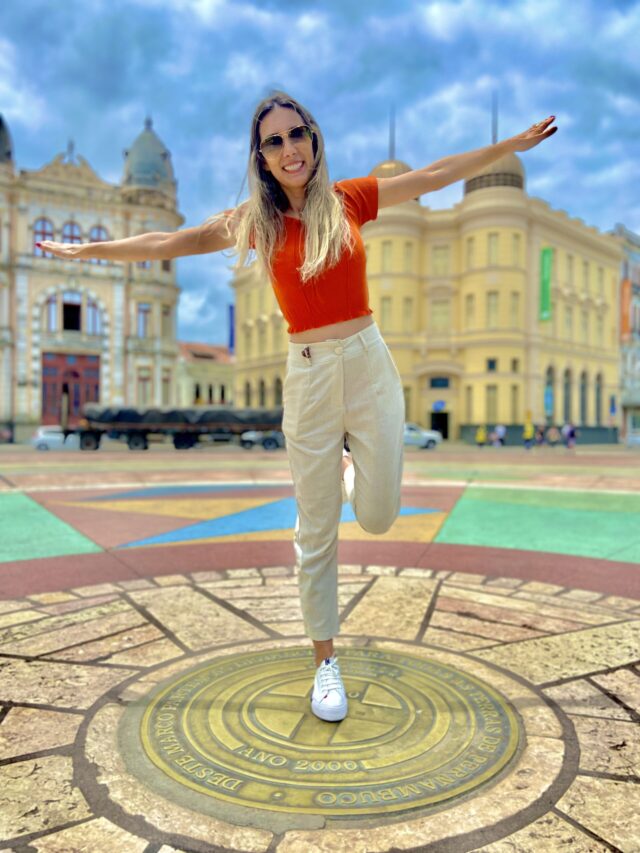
(450, 169)
(211, 236)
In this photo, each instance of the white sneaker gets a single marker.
(329, 700)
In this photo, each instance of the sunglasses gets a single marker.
(272, 145)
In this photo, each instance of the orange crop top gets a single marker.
(339, 293)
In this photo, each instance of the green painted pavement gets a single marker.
(28, 532)
(584, 524)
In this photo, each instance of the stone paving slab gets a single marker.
(578, 699)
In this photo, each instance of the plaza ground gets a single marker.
(120, 571)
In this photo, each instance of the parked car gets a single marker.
(633, 439)
(419, 437)
(52, 438)
(270, 439)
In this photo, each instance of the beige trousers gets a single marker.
(349, 386)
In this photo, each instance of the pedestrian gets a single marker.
(528, 435)
(539, 436)
(481, 435)
(341, 384)
(553, 436)
(501, 432)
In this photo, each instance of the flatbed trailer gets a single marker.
(186, 427)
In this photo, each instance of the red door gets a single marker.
(78, 375)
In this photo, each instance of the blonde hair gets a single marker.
(326, 228)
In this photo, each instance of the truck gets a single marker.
(185, 427)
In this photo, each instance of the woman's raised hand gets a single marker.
(61, 250)
(536, 133)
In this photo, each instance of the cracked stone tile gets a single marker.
(591, 615)
(95, 836)
(392, 607)
(380, 570)
(195, 619)
(619, 602)
(582, 595)
(51, 597)
(18, 617)
(172, 580)
(148, 654)
(608, 746)
(97, 589)
(27, 730)
(496, 631)
(52, 623)
(543, 588)
(466, 578)
(492, 613)
(72, 635)
(598, 804)
(548, 833)
(581, 697)
(63, 685)
(9, 605)
(455, 641)
(77, 604)
(623, 684)
(569, 655)
(103, 649)
(138, 583)
(39, 794)
(411, 572)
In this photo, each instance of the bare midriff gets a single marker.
(333, 331)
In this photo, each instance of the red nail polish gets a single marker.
(39, 245)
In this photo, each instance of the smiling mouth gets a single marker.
(292, 168)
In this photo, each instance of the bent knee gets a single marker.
(377, 524)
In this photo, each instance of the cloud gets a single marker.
(92, 72)
(20, 103)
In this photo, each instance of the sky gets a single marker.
(92, 70)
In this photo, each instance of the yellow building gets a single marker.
(102, 331)
(456, 294)
(205, 375)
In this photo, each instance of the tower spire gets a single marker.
(392, 133)
(494, 117)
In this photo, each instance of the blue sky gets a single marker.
(91, 72)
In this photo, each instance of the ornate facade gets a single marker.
(456, 294)
(98, 330)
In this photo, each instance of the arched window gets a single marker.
(51, 314)
(71, 233)
(247, 394)
(277, 392)
(566, 412)
(71, 311)
(583, 398)
(549, 395)
(598, 401)
(262, 393)
(42, 230)
(98, 234)
(94, 318)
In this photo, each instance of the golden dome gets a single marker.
(389, 169)
(508, 171)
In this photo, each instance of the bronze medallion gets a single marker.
(240, 730)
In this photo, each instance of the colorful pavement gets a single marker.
(143, 597)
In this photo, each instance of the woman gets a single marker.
(341, 382)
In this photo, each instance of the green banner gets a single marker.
(546, 263)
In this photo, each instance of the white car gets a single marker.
(419, 437)
(270, 440)
(633, 439)
(52, 438)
